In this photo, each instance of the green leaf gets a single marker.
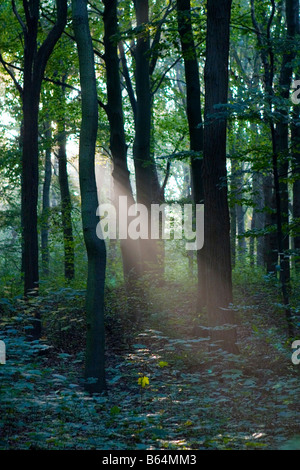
(163, 364)
(115, 410)
(143, 381)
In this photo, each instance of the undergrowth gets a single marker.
(167, 388)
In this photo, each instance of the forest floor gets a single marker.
(166, 388)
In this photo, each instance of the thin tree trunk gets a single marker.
(66, 203)
(280, 239)
(295, 138)
(295, 145)
(21, 138)
(233, 234)
(258, 216)
(252, 241)
(282, 127)
(194, 116)
(270, 245)
(122, 187)
(240, 216)
(238, 184)
(147, 186)
(267, 56)
(46, 203)
(95, 247)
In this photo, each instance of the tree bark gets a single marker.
(217, 225)
(258, 216)
(194, 116)
(66, 203)
(147, 185)
(118, 146)
(270, 245)
(240, 216)
(295, 144)
(35, 61)
(233, 233)
(282, 127)
(95, 247)
(267, 56)
(46, 202)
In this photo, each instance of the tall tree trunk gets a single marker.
(217, 225)
(141, 148)
(258, 216)
(30, 189)
(118, 146)
(237, 179)
(295, 138)
(194, 116)
(267, 56)
(35, 61)
(46, 202)
(66, 207)
(282, 127)
(95, 247)
(295, 145)
(270, 239)
(252, 241)
(232, 209)
(233, 234)
(66, 203)
(240, 216)
(21, 138)
(147, 186)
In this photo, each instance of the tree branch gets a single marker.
(167, 175)
(99, 12)
(153, 91)
(16, 13)
(53, 36)
(6, 66)
(127, 78)
(240, 66)
(156, 39)
(97, 53)
(12, 75)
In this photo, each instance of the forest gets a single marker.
(150, 226)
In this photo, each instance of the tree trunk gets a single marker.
(66, 203)
(30, 187)
(258, 216)
(282, 127)
(295, 144)
(252, 241)
(237, 181)
(46, 202)
(233, 234)
(35, 61)
(194, 116)
(270, 245)
(118, 147)
(240, 216)
(278, 135)
(95, 247)
(147, 186)
(217, 225)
